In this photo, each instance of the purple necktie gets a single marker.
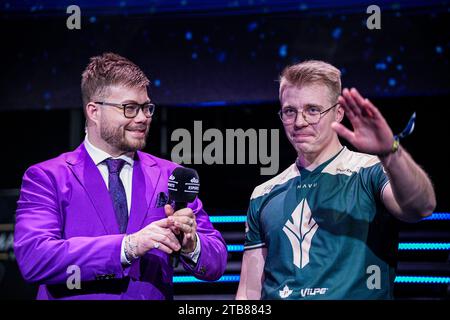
(117, 192)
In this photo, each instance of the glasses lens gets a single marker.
(131, 110)
(148, 109)
(312, 119)
(288, 115)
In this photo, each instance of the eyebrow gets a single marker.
(306, 105)
(133, 101)
(314, 105)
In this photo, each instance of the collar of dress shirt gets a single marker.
(98, 155)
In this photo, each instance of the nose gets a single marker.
(300, 121)
(140, 117)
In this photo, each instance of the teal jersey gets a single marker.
(327, 234)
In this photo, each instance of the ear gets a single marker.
(339, 114)
(92, 112)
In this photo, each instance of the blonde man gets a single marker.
(322, 229)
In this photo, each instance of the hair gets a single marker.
(107, 70)
(312, 72)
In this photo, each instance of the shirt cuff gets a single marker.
(123, 257)
(194, 254)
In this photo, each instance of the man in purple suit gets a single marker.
(99, 214)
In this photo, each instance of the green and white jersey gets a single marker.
(327, 234)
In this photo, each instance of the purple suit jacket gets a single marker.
(65, 217)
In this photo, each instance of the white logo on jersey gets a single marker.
(312, 291)
(300, 233)
(307, 185)
(286, 292)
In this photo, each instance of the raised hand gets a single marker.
(371, 132)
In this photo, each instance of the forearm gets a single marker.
(249, 289)
(412, 189)
(252, 274)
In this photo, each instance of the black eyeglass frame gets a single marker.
(125, 106)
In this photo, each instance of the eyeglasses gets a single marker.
(311, 114)
(131, 110)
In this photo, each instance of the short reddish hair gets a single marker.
(107, 70)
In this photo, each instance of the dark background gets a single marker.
(224, 56)
(218, 62)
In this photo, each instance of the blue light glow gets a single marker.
(401, 246)
(282, 51)
(424, 246)
(422, 279)
(235, 248)
(192, 279)
(398, 279)
(242, 218)
(227, 219)
(439, 216)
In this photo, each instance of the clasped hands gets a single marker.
(162, 234)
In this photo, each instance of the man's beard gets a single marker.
(116, 138)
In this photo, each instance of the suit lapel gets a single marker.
(87, 173)
(145, 179)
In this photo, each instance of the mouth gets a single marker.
(137, 133)
(302, 136)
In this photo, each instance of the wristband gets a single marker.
(406, 132)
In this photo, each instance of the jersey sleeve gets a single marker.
(253, 235)
(377, 179)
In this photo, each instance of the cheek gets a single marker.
(104, 122)
(325, 131)
(123, 125)
(288, 130)
(107, 121)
